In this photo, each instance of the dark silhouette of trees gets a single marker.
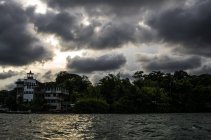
(152, 92)
(75, 84)
(91, 105)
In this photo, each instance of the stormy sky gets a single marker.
(97, 37)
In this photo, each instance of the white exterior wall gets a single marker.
(53, 95)
(28, 91)
(49, 96)
(56, 90)
(28, 97)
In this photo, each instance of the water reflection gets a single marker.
(145, 126)
(63, 127)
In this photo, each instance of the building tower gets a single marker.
(26, 87)
(30, 75)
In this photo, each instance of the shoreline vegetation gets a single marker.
(155, 92)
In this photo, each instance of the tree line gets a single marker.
(145, 93)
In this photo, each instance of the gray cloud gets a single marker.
(10, 86)
(202, 70)
(115, 20)
(188, 26)
(95, 78)
(117, 8)
(5, 75)
(113, 36)
(169, 64)
(102, 63)
(48, 76)
(17, 45)
(75, 35)
(178, 24)
(113, 3)
(62, 24)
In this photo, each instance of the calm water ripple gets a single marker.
(109, 126)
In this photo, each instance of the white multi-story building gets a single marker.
(55, 96)
(29, 88)
(26, 87)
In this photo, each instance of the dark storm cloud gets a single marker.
(75, 35)
(48, 76)
(113, 36)
(168, 21)
(119, 28)
(62, 24)
(113, 33)
(169, 64)
(5, 75)
(17, 45)
(118, 8)
(102, 63)
(115, 3)
(188, 26)
(202, 70)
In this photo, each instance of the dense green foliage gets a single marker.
(91, 105)
(153, 92)
(8, 99)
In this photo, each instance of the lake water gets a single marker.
(109, 126)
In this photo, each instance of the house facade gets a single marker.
(29, 88)
(55, 96)
(26, 87)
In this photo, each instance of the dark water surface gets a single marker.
(109, 126)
